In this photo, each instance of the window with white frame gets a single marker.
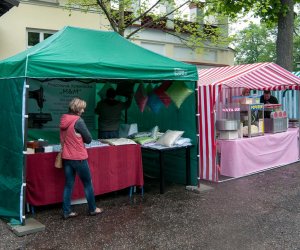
(35, 36)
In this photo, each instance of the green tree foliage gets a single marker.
(271, 12)
(123, 15)
(257, 43)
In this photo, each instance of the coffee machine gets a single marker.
(36, 120)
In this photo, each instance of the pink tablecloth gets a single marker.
(248, 155)
(112, 168)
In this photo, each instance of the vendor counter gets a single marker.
(244, 156)
(112, 168)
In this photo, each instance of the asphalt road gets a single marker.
(261, 211)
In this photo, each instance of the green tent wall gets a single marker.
(83, 54)
(11, 147)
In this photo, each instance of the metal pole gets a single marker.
(197, 132)
(24, 151)
(298, 93)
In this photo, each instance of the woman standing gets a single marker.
(73, 135)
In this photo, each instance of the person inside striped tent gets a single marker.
(267, 98)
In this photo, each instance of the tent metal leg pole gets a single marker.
(24, 150)
(298, 123)
(197, 131)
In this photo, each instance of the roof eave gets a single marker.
(6, 5)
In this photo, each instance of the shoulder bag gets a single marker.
(58, 160)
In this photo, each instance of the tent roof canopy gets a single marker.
(254, 76)
(91, 54)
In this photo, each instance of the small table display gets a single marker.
(162, 151)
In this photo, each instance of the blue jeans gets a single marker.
(81, 167)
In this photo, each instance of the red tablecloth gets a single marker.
(112, 168)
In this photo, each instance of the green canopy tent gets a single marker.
(78, 54)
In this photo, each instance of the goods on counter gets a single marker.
(227, 125)
(252, 116)
(276, 125)
(229, 135)
(143, 140)
(254, 130)
(152, 133)
(37, 146)
(228, 129)
(272, 107)
(228, 121)
(278, 114)
(183, 141)
(169, 137)
(118, 141)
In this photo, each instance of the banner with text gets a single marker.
(52, 98)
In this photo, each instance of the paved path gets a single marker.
(261, 211)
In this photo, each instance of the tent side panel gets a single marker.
(207, 144)
(289, 101)
(11, 147)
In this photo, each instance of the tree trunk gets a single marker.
(121, 17)
(284, 43)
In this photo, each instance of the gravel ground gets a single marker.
(261, 211)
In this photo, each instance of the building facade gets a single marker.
(168, 45)
(35, 20)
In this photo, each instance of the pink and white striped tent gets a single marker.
(212, 83)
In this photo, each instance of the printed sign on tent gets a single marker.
(51, 99)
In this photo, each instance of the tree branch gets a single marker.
(112, 22)
(159, 19)
(145, 13)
